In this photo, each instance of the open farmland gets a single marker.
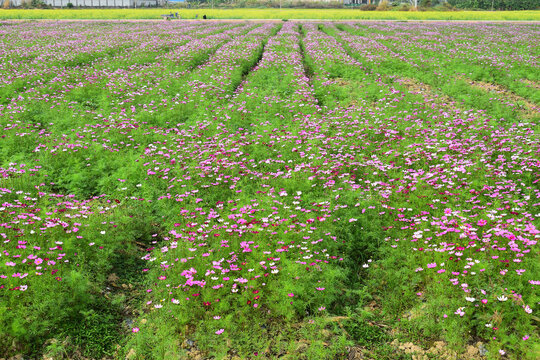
(265, 190)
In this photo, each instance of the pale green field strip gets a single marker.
(267, 14)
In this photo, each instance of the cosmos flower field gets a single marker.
(269, 190)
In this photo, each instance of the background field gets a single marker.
(327, 14)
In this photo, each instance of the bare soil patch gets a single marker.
(527, 108)
(416, 87)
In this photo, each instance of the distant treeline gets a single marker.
(496, 4)
(365, 5)
(374, 4)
